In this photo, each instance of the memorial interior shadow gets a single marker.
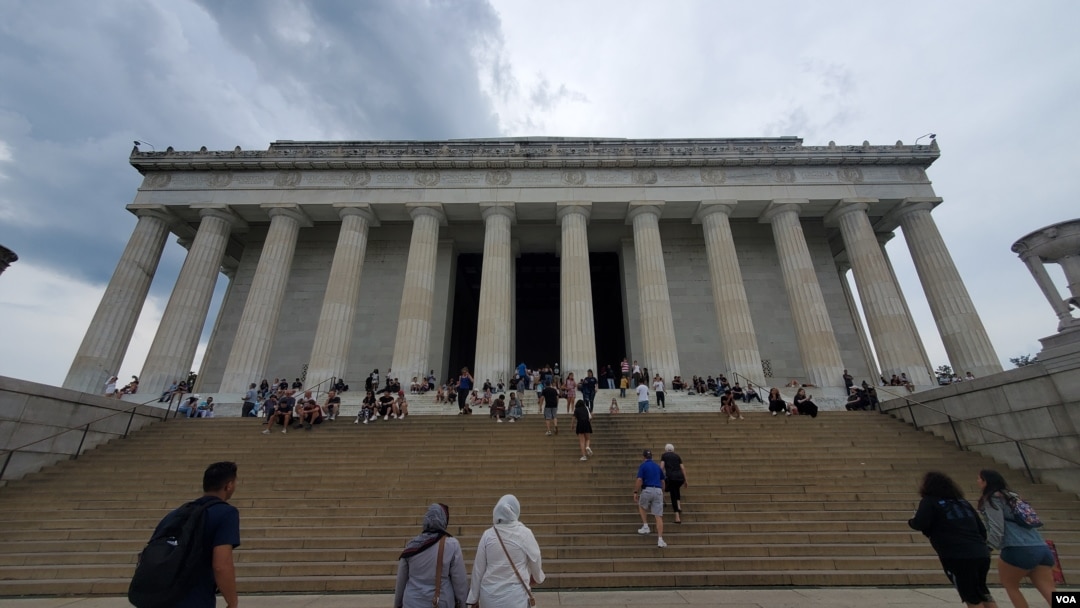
(537, 310)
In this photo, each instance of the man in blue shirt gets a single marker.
(588, 389)
(649, 496)
(222, 534)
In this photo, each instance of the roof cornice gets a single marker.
(535, 153)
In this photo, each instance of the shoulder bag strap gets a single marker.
(438, 574)
(532, 600)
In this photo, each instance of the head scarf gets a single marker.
(435, 521)
(505, 517)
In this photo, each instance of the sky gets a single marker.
(80, 81)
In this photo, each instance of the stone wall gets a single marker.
(1034, 404)
(30, 412)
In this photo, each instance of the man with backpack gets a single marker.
(190, 555)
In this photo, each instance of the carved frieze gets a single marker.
(220, 180)
(573, 178)
(427, 179)
(501, 177)
(851, 175)
(288, 179)
(157, 180)
(645, 177)
(713, 176)
(356, 179)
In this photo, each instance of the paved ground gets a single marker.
(937, 597)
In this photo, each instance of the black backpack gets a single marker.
(170, 562)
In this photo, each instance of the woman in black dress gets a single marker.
(582, 425)
(777, 404)
(675, 476)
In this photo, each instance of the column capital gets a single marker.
(884, 237)
(909, 205)
(487, 209)
(707, 208)
(642, 208)
(288, 210)
(223, 212)
(435, 210)
(363, 210)
(846, 206)
(564, 208)
(160, 212)
(779, 206)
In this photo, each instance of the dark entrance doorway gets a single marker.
(466, 309)
(537, 308)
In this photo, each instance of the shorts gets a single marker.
(550, 412)
(652, 500)
(968, 576)
(1027, 558)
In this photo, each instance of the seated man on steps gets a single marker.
(283, 414)
(310, 414)
(333, 405)
(751, 393)
(385, 407)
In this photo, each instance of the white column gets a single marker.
(860, 328)
(107, 339)
(962, 332)
(738, 341)
(494, 326)
(333, 335)
(413, 342)
(813, 329)
(657, 325)
(884, 238)
(258, 323)
(577, 338)
(1046, 284)
(890, 328)
(173, 349)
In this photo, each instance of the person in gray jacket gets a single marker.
(416, 566)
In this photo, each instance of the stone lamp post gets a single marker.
(1059, 244)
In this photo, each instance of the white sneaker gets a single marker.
(266, 432)
(730, 417)
(583, 458)
(773, 413)
(660, 543)
(588, 451)
(286, 431)
(644, 529)
(787, 413)
(548, 433)
(366, 421)
(387, 417)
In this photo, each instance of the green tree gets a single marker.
(1023, 360)
(944, 372)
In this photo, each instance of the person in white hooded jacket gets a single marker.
(494, 582)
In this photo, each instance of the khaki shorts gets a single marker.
(652, 500)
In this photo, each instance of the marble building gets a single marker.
(697, 256)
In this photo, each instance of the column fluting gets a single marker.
(577, 339)
(657, 325)
(333, 335)
(890, 328)
(738, 340)
(412, 343)
(494, 326)
(966, 341)
(106, 341)
(255, 334)
(173, 350)
(813, 330)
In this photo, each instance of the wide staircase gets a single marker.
(771, 501)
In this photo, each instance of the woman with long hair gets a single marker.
(958, 536)
(1023, 551)
(570, 386)
(507, 562)
(777, 404)
(805, 405)
(582, 425)
(514, 410)
(419, 562)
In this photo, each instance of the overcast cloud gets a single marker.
(80, 80)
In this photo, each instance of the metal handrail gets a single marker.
(1020, 443)
(737, 375)
(9, 452)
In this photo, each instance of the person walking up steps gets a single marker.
(642, 398)
(582, 425)
(550, 396)
(649, 496)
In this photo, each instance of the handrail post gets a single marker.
(7, 460)
(78, 451)
(1027, 467)
(130, 418)
(956, 435)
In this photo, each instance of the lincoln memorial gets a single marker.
(693, 256)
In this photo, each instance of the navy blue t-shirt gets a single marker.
(650, 474)
(222, 527)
